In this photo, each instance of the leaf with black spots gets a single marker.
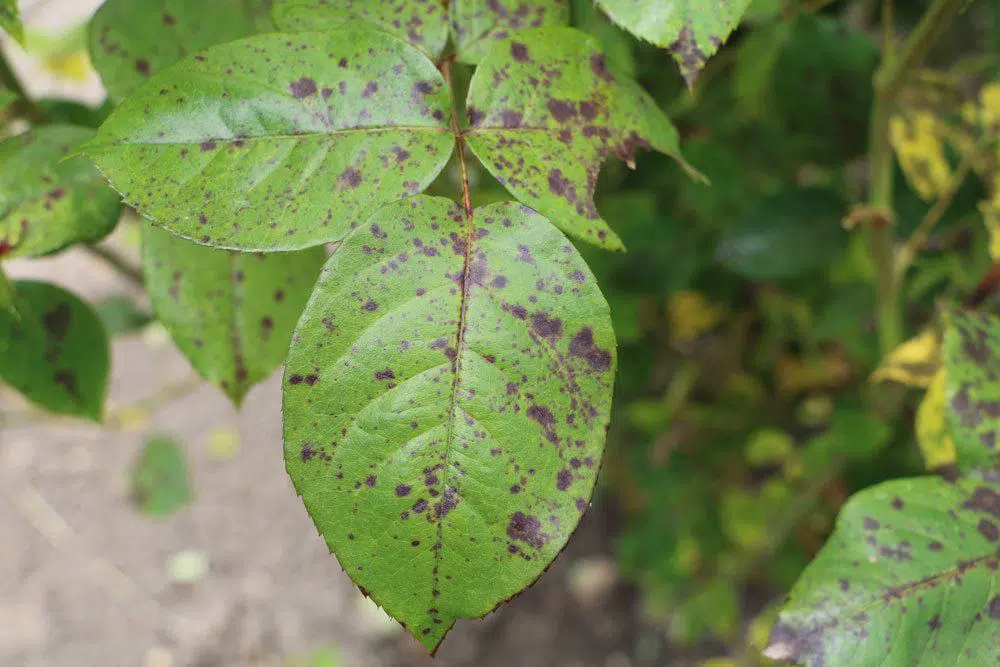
(10, 19)
(545, 110)
(160, 484)
(476, 25)
(422, 23)
(46, 202)
(446, 399)
(54, 351)
(279, 142)
(972, 385)
(911, 576)
(131, 40)
(691, 30)
(232, 314)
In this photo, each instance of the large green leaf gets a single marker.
(447, 394)
(423, 23)
(10, 19)
(160, 484)
(972, 389)
(692, 30)
(545, 110)
(54, 350)
(476, 25)
(910, 578)
(131, 40)
(279, 142)
(46, 203)
(232, 314)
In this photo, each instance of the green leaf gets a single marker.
(160, 483)
(121, 315)
(66, 112)
(55, 352)
(8, 296)
(279, 142)
(446, 400)
(131, 40)
(616, 43)
(546, 110)
(232, 314)
(10, 19)
(6, 97)
(47, 203)
(476, 25)
(692, 30)
(422, 23)
(788, 235)
(972, 388)
(909, 577)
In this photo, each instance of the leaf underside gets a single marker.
(47, 204)
(446, 400)
(972, 359)
(279, 141)
(477, 25)
(54, 350)
(232, 314)
(911, 576)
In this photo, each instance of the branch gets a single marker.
(121, 265)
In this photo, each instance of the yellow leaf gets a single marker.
(913, 363)
(691, 315)
(933, 435)
(917, 140)
(797, 374)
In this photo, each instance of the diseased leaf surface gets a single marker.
(160, 484)
(545, 110)
(692, 30)
(972, 392)
(47, 204)
(54, 351)
(476, 25)
(910, 577)
(10, 19)
(446, 401)
(423, 23)
(232, 314)
(131, 40)
(279, 142)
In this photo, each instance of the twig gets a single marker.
(121, 265)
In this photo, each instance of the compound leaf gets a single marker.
(279, 142)
(476, 25)
(911, 576)
(54, 351)
(446, 399)
(423, 23)
(160, 484)
(972, 390)
(10, 19)
(692, 30)
(131, 40)
(545, 110)
(46, 203)
(232, 314)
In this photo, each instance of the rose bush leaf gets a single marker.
(545, 110)
(54, 351)
(279, 142)
(423, 23)
(446, 400)
(47, 203)
(691, 30)
(131, 40)
(911, 576)
(232, 314)
(972, 391)
(476, 25)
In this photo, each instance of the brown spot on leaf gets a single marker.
(307, 453)
(545, 326)
(984, 500)
(519, 52)
(56, 321)
(583, 346)
(403, 490)
(989, 530)
(524, 528)
(564, 479)
(351, 177)
(302, 88)
(142, 66)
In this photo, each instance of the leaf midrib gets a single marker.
(375, 129)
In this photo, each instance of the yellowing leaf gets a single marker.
(917, 140)
(797, 374)
(690, 315)
(933, 436)
(914, 363)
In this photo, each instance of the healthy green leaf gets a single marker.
(545, 111)
(423, 23)
(46, 203)
(131, 40)
(10, 19)
(232, 314)
(785, 236)
(279, 142)
(910, 577)
(160, 483)
(476, 25)
(446, 400)
(972, 388)
(55, 351)
(7, 297)
(692, 30)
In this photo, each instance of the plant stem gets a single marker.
(125, 268)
